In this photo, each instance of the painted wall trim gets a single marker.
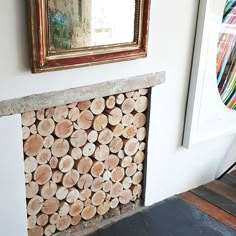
(51, 99)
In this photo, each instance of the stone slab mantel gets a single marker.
(50, 99)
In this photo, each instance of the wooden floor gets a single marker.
(217, 199)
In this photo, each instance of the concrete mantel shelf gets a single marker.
(50, 99)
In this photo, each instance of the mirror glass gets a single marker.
(74, 24)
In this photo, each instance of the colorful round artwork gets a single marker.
(226, 56)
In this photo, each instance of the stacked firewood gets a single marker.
(83, 159)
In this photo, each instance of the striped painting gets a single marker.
(226, 56)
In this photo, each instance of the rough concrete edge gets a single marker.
(103, 224)
(51, 99)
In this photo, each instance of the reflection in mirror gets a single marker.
(74, 24)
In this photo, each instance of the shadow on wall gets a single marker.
(22, 41)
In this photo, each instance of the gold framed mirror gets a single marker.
(74, 33)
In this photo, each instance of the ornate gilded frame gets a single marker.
(42, 60)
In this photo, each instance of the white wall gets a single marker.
(171, 168)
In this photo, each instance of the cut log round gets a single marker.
(40, 114)
(61, 193)
(54, 218)
(30, 165)
(42, 220)
(114, 203)
(87, 202)
(131, 170)
(50, 206)
(116, 189)
(49, 230)
(110, 102)
(25, 132)
(76, 153)
(89, 149)
(139, 157)
(28, 178)
(98, 198)
(36, 231)
(134, 198)
(75, 220)
(97, 106)
(107, 186)
(128, 105)
(97, 169)
(74, 114)
(46, 127)
(125, 196)
(73, 195)
(116, 145)
(92, 136)
(31, 189)
(44, 156)
(53, 162)
(137, 190)
(115, 116)
(141, 134)
(129, 94)
(142, 146)
(49, 190)
(85, 195)
(33, 145)
(97, 184)
(64, 209)
(33, 129)
(111, 162)
(105, 136)
(71, 178)
(31, 221)
(136, 95)
(60, 113)
(88, 212)
(107, 175)
(85, 119)
(139, 120)
(76, 208)
(85, 105)
(57, 176)
(140, 167)
(127, 119)
(143, 91)
(131, 147)
(78, 138)
(126, 161)
(103, 208)
(121, 154)
(48, 141)
(72, 105)
(129, 132)
(64, 129)
(118, 130)
(84, 165)
(63, 223)
(28, 118)
(49, 112)
(85, 181)
(35, 205)
(137, 178)
(100, 122)
(66, 164)
(101, 152)
(117, 174)
(42, 174)
(120, 99)
(60, 148)
(127, 182)
(141, 104)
